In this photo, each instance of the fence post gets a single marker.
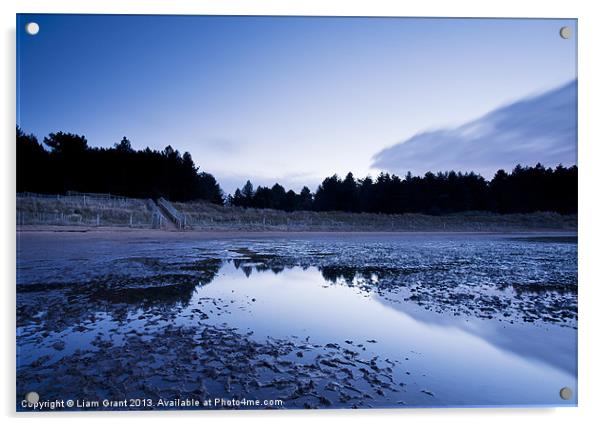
(97, 219)
(131, 220)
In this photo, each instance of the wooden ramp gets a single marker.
(174, 219)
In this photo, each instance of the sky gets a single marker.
(286, 99)
(537, 129)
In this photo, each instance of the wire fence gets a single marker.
(109, 210)
(207, 216)
(87, 209)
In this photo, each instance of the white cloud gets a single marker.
(540, 128)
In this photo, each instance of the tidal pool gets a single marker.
(315, 321)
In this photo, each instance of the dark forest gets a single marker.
(65, 162)
(524, 190)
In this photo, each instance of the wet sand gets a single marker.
(317, 320)
(123, 232)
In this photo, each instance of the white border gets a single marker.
(590, 138)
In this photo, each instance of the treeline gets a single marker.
(65, 162)
(275, 197)
(524, 190)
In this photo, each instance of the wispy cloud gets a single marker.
(541, 128)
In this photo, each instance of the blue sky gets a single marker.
(284, 99)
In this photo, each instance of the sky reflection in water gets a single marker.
(442, 357)
(462, 360)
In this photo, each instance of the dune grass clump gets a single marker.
(80, 210)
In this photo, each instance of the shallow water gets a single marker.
(317, 321)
